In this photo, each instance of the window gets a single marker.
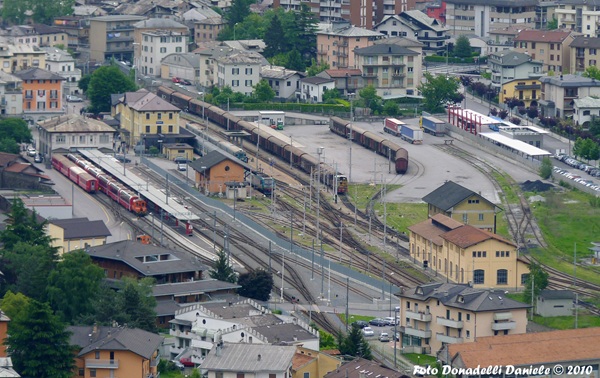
(468, 317)
(235, 71)
(178, 49)
(147, 129)
(248, 83)
(93, 373)
(306, 375)
(163, 50)
(170, 115)
(159, 115)
(524, 278)
(81, 372)
(468, 334)
(248, 71)
(97, 356)
(478, 279)
(465, 218)
(60, 139)
(480, 217)
(501, 277)
(408, 305)
(235, 83)
(103, 138)
(170, 128)
(147, 115)
(240, 375)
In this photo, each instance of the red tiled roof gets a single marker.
(300, 360)
(553, 36)
(6, 158)
(467, 236)
(16, 167)
(342, 72)
(430, 229)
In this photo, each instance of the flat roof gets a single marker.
(515, 144)
(477, 117)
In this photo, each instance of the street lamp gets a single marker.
(236, 24)
(319, 152)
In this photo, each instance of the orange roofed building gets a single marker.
(42, 93)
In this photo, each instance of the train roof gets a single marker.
(139, 185)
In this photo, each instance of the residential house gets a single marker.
(470, 16)
(502, 39)
(335, 45)
(584, 53)
(42, 93)
(19, 57)
(88, 11)
(182, 65)
(239, 70)
(4, 319)
(466, 254)
(11, 94)
(437, 11)
(312, 88)
(463, 205)
(393, 70)
(578, 16)
(510, 66)
(72, 131)
(551, 47)
(174, 151)
(207, 61)
(415, 24)
(215, 170)
(112, 37)
(585, 110)
(155, 46)
(115, 351)
(555, 303)
(62, 63)
(313, 363)
(436, 314)
(576, 348)
(208, 29)
(559, 93)
(153, 8)
(76, 233)
(143, 114)
(37, 35)
(77, 28)
(528, 91)
(6, 368)
(359, 368)
(347, 80)
(283, 81)
(250, 360)
(17, 173)
(133, 259)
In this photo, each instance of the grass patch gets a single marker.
(420, 359)
(354, 318)
(171, 374)
(507, 185)
(402, 215)
(517, 297)
(568, 322)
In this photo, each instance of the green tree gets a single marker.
(275, 43)
(354, 344)
(238, 11)
(579, 147)
(540, 282)
(84, 82)
(330, 95)
(256, 285)
(462, 47)
(16, 129)
(391, 108)
(316, 67)
(437, 90)
(594, 151)
(595, 126)
(9, 145)
(545, 170)
(105, 81)
(302, 34)
(295, 61)
(73, 285)
(223, 271)
(326, 341)
(27, 268)
(39, 344)
(592, 72)
(263, 91)
(14, 305)
(14, 11)
(23, 225)
(369, 98)
(138, 303)
(44, 11)
(552, 24)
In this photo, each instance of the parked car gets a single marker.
(390, 320)
(176, 80)
(182, 167)
(377, 322)
(384, 337)
(368, 331)
(185, 82)
(360, 324)
(186, 361)
(31, 151)
(38, 158)
(178, 365)
(71, 98)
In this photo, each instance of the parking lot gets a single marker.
(585, 176)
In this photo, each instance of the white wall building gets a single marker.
(11, 94)
(239, 70)
(585, 109)
(312, 88)
(156, 45)
(63, 64)
(284, 82)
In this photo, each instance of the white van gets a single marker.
(391, 320)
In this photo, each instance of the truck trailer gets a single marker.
(433, 126)
(393, 126)
(412, 134)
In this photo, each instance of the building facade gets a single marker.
(584, 53)
(555, 303)
(182, 65)
(283, 81)
(208, 29)
(76, 234)
(63, 64)
(239, 70)
(11, 94)
(70, 132)
(155, 46)
(112, 37)
(578, 16)
(312, 88)
(585, 110)
(528, 91)
(435, 315)
(559, 93)
(551, 47)
(335, 46)
(42, 93)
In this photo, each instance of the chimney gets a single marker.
(218, 350)
(259, 357)
(95, 330)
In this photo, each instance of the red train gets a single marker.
(373, 142)
(75, 173)
(108, 185)
(267, 142)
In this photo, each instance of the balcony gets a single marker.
(182, 334)
(449, 339)
(458, 324)
(424, 334)
(433, 38)
(398, 74)
(369, 74)
(91, 363)
(121, 27)
(110, 48)
(322, 52)
(422, 316)
(535, 74)
(503, 326)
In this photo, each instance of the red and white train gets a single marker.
(74, 173)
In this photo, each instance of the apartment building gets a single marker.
(559, 93)
(501, 39)
(476, 17)
(63, 64)
(239, 70)
(208, 29)
(112, 37)
(435, 315)
(19, 57)
(312, 88)
(42, 93)
(283, 81)
(429, 31)
(578, 16)
(37, 35)
(335, 46)
(155, 46)
(515, 72)
(164, 25)
(584, 53)
(393, 70)
(551, 47)
(11, 94)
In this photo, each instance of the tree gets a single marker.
(138, 303)
(595, 127)
(302, 33)
(263, 91)
(545, 168)
(105, 81)
(223, 271)
(552, 24)
(27, 268)
(592, 72)
(532, 112)
(316, 67)
(39, 344)
(9, 145)
(295, 61)
(23, 226)
(15, 10)
(256, 285)
(586, 149)
(44, 11)
(84, 82)
(462, 47)
(275, 44)
(73, 285)
(14, 305)
(326, 341)
(391, 108)
(578, 147)
(437, 90)
(16, 129)
(354, 344)
(330, 95)
(540, 282)
(238, 11)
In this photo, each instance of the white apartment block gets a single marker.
(11, 94)
(579, 16)
(63, 64)
(239, 70)
(157, 44)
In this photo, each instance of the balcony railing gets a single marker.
(535, 74)
(422, 316)
(502, 326)
(91, 363)
(458, 324)
(369, 74)
(398, 74)
(448, 339)
(422, 333)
